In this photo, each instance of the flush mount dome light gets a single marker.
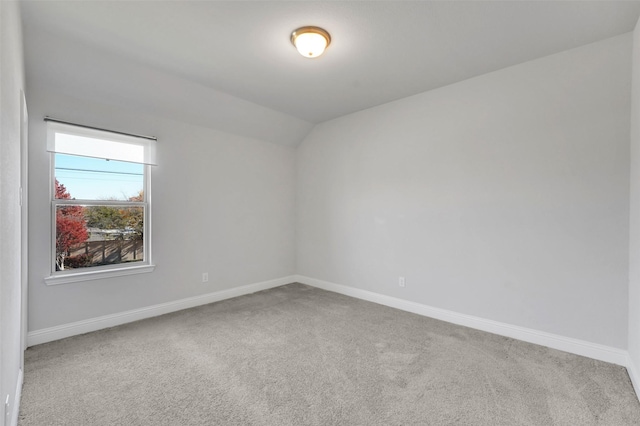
(310, 41)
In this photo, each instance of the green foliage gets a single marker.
(130, 219)
(104, 217)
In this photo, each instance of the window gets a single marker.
(100, 203)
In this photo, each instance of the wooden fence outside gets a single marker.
(107, 252)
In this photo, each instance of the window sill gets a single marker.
(65, 278)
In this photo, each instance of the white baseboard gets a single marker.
(634, 375)
(15, 408)
(567, 344)
(45, 335)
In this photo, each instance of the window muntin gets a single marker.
(100, 206)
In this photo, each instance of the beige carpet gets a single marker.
(296, 355)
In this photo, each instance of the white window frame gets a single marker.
(102, 271)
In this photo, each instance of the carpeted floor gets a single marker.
(296, 355)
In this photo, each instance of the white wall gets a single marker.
(11, 83)
(222, 204)
(504, 196)
(634, 231)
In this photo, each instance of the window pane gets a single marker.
(85, 178)
(98, 235)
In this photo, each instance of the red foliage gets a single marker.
(61, 192)
(71, 227)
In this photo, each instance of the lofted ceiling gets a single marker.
(238, 53)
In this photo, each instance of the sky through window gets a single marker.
(88, 178)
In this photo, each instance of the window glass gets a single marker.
(87, 178)
(98, 234)
(89, 236)
(100, 203)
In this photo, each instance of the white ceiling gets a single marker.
(380, 51)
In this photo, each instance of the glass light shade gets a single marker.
(310, 41)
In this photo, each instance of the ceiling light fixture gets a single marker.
(310, 41)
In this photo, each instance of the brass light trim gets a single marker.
(313, 30)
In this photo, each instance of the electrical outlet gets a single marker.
(205, 277)
(401, 281)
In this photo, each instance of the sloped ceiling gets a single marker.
(231, 65)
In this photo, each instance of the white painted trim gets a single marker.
(634, 375)
(106, 272)
(567, 344)
(37, 337)
(15, 408)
